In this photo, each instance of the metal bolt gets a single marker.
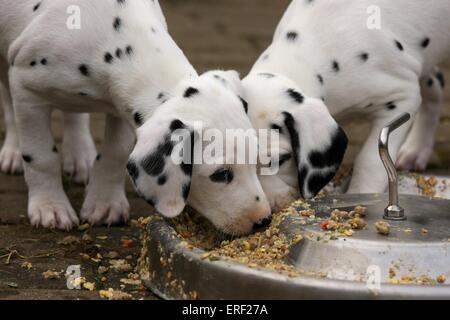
(393, 210)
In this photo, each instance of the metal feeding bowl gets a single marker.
(413, 261)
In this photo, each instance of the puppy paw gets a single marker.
(413, 158)
(78, 158)
(11, 159)
(105, 208)
(50, 211)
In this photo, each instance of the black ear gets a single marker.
(158, 165)
(318, 146)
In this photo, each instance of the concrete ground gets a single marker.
(227, 34)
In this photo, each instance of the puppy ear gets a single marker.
(161, 164)
(318, 145)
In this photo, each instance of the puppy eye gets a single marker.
(223, 175)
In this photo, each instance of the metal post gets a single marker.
(393, 211)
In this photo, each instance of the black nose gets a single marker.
(263, 223)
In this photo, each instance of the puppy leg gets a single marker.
(106, 202)
(48, 205)
(10, 156)
(79, 150)
(369, 175)
(418, 148)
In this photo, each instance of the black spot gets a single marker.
(121, 2)
(222, 175)
(33, 63)
(430, 82)
(98, 157)
(302, 175)
(257, 199)
(267, 75)
(129, 50)
(399, 45)
(133, 170)
(162, 180)
(161, 96)
(335, 66)
(188, 167)
(108, 57)
(318, 180)
(425, 42)
(390, 105)
(295, 95)
(244, 104)
(283, 158)
(138, 119)
(191, 92)
(320, 78)
(276, 127)
(333, 155)
(36, 7)
(84, 69)
(117, 23)
(44, 62)
(151, 201)
(185, 191)
(364, 56)
(55, 149)
(292, 35)
(217, 77)
(177, 125)
(83, 94)
(154, 163)
(27, 158)
(119, 53)
(289, 122)
(441, 79)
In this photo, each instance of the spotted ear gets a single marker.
(160, 165)
(318, 145)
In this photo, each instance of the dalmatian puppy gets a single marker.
(324, 56)
(226, 192)
(120, 61)
(78, 152)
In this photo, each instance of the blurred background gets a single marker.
(231, 34)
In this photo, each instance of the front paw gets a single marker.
(413, 158)
(78, 159)
(53, 212)
(11, 160)
(105, 208)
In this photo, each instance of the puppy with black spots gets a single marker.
(325, 58)
(78, 148)
(120, 61)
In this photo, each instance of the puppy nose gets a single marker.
(263, 223)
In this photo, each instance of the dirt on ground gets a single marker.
(226, 34)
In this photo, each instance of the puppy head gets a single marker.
(180, 156)
(311, 145)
